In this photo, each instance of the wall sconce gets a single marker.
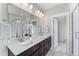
(30, 6)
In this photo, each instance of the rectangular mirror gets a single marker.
(23, 23)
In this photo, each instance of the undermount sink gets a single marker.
(26, 42)
(21, 40)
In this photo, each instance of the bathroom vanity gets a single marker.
(39, 46)
(26, 24)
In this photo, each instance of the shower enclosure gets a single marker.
(55, 32)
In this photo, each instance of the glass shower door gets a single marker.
(55, 32)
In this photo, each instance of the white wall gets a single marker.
(48, 19)
(3, 11)
(69, 27)
(3, 48)
(62, 28)
(72, 6)
(3, 42)
(55, 11)
(58, 9)
(14, 10)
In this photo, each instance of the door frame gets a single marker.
(73, 29)
(67, 26)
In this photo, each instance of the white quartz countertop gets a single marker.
(16, 48)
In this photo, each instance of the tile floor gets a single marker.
(60, 50)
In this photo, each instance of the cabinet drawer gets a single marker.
(46, 45)
(35, 54)
(49, 43)
(26, 53)
(36, 47)
(45, 52)
(43, 42)
(41, 50)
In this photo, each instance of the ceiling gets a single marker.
(47, 6)
(14, 11)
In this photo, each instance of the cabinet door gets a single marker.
(76, 31)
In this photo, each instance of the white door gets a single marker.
(76, 31)
(55, 32)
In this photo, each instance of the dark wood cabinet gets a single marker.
(30, 51)
(35, 53)
(39, 49)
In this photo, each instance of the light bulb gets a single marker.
(30, 6)
(18, 21)
(38, 11)
(25, 4)
(42, 15)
